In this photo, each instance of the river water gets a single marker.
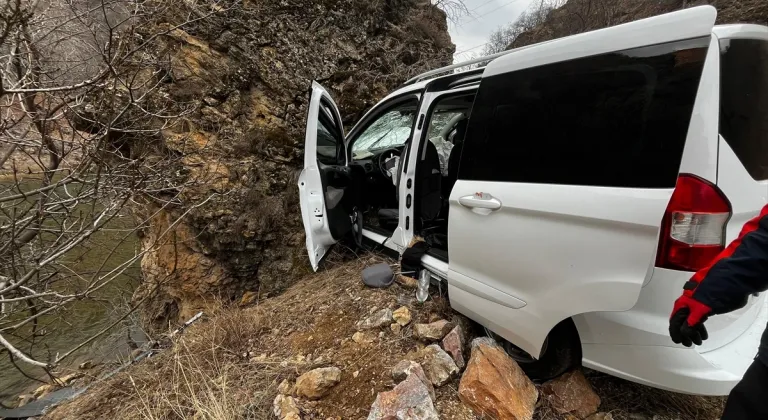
(82, 319)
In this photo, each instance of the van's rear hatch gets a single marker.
(743, 149)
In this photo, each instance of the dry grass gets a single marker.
(622, 398)
(229, 367)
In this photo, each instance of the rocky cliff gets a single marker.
(578, 16)
(243, 70)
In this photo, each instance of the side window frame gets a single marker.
(487, 113)
(378, 111)
(461, 91)
(326, 114)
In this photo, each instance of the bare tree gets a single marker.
(79, 109)
(502, 38)
(454, 9)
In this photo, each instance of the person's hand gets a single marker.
(686, 325)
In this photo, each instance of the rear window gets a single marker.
(744, 102)
(617, 119)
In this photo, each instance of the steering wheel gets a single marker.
(382, 159)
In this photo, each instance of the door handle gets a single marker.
(480, 201)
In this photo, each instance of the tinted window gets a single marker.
(328, 147)
(616, 119)
(744, 103)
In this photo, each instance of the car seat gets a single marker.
(455, 157)
(429, 199)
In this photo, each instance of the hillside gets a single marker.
(232, 366)
(240, 77)
(578, 16)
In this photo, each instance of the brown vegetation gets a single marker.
(578, 16)
(230, 366)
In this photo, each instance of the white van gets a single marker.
(568, 190)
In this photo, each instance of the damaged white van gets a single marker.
(568, 190)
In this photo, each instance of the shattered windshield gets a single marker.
(392, 129)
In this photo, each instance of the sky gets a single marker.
(471, 32)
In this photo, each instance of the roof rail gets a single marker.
(432, 73)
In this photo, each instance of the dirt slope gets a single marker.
(230, 366)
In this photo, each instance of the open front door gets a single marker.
(325, 183)
(571, 156)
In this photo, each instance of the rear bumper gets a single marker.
(635, 344)
(680, 369)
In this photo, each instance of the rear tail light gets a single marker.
(693, 229)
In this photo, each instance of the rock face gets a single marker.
(409, 400)
(433, 331)
(438, 365)
(316, 383)
(453, 344)
(380, 318)
(240, 78)
(494, 385)
(571, 393)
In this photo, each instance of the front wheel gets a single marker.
(560, 353)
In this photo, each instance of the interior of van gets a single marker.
(379, 151)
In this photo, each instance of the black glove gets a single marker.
(681, 332)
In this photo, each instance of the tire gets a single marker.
(561, 352)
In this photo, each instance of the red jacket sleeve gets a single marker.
(739, 271)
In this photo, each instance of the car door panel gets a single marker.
(546, 251)
(325, 192)
(549, 248)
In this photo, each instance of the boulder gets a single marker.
(316, 383)
(433, 331)
(409, 400)
(494, 386)
(438, 365)
(402, 316)
(381, 318)
(571, 393)
(406, 368)
(453, 344)
(284, 408)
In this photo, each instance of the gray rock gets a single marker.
(409, 400)
(453, 344)
(433, 331)
(405, 368)
(381, 318)
(438, 365)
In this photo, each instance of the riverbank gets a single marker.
(235, 364)
(60, 330)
